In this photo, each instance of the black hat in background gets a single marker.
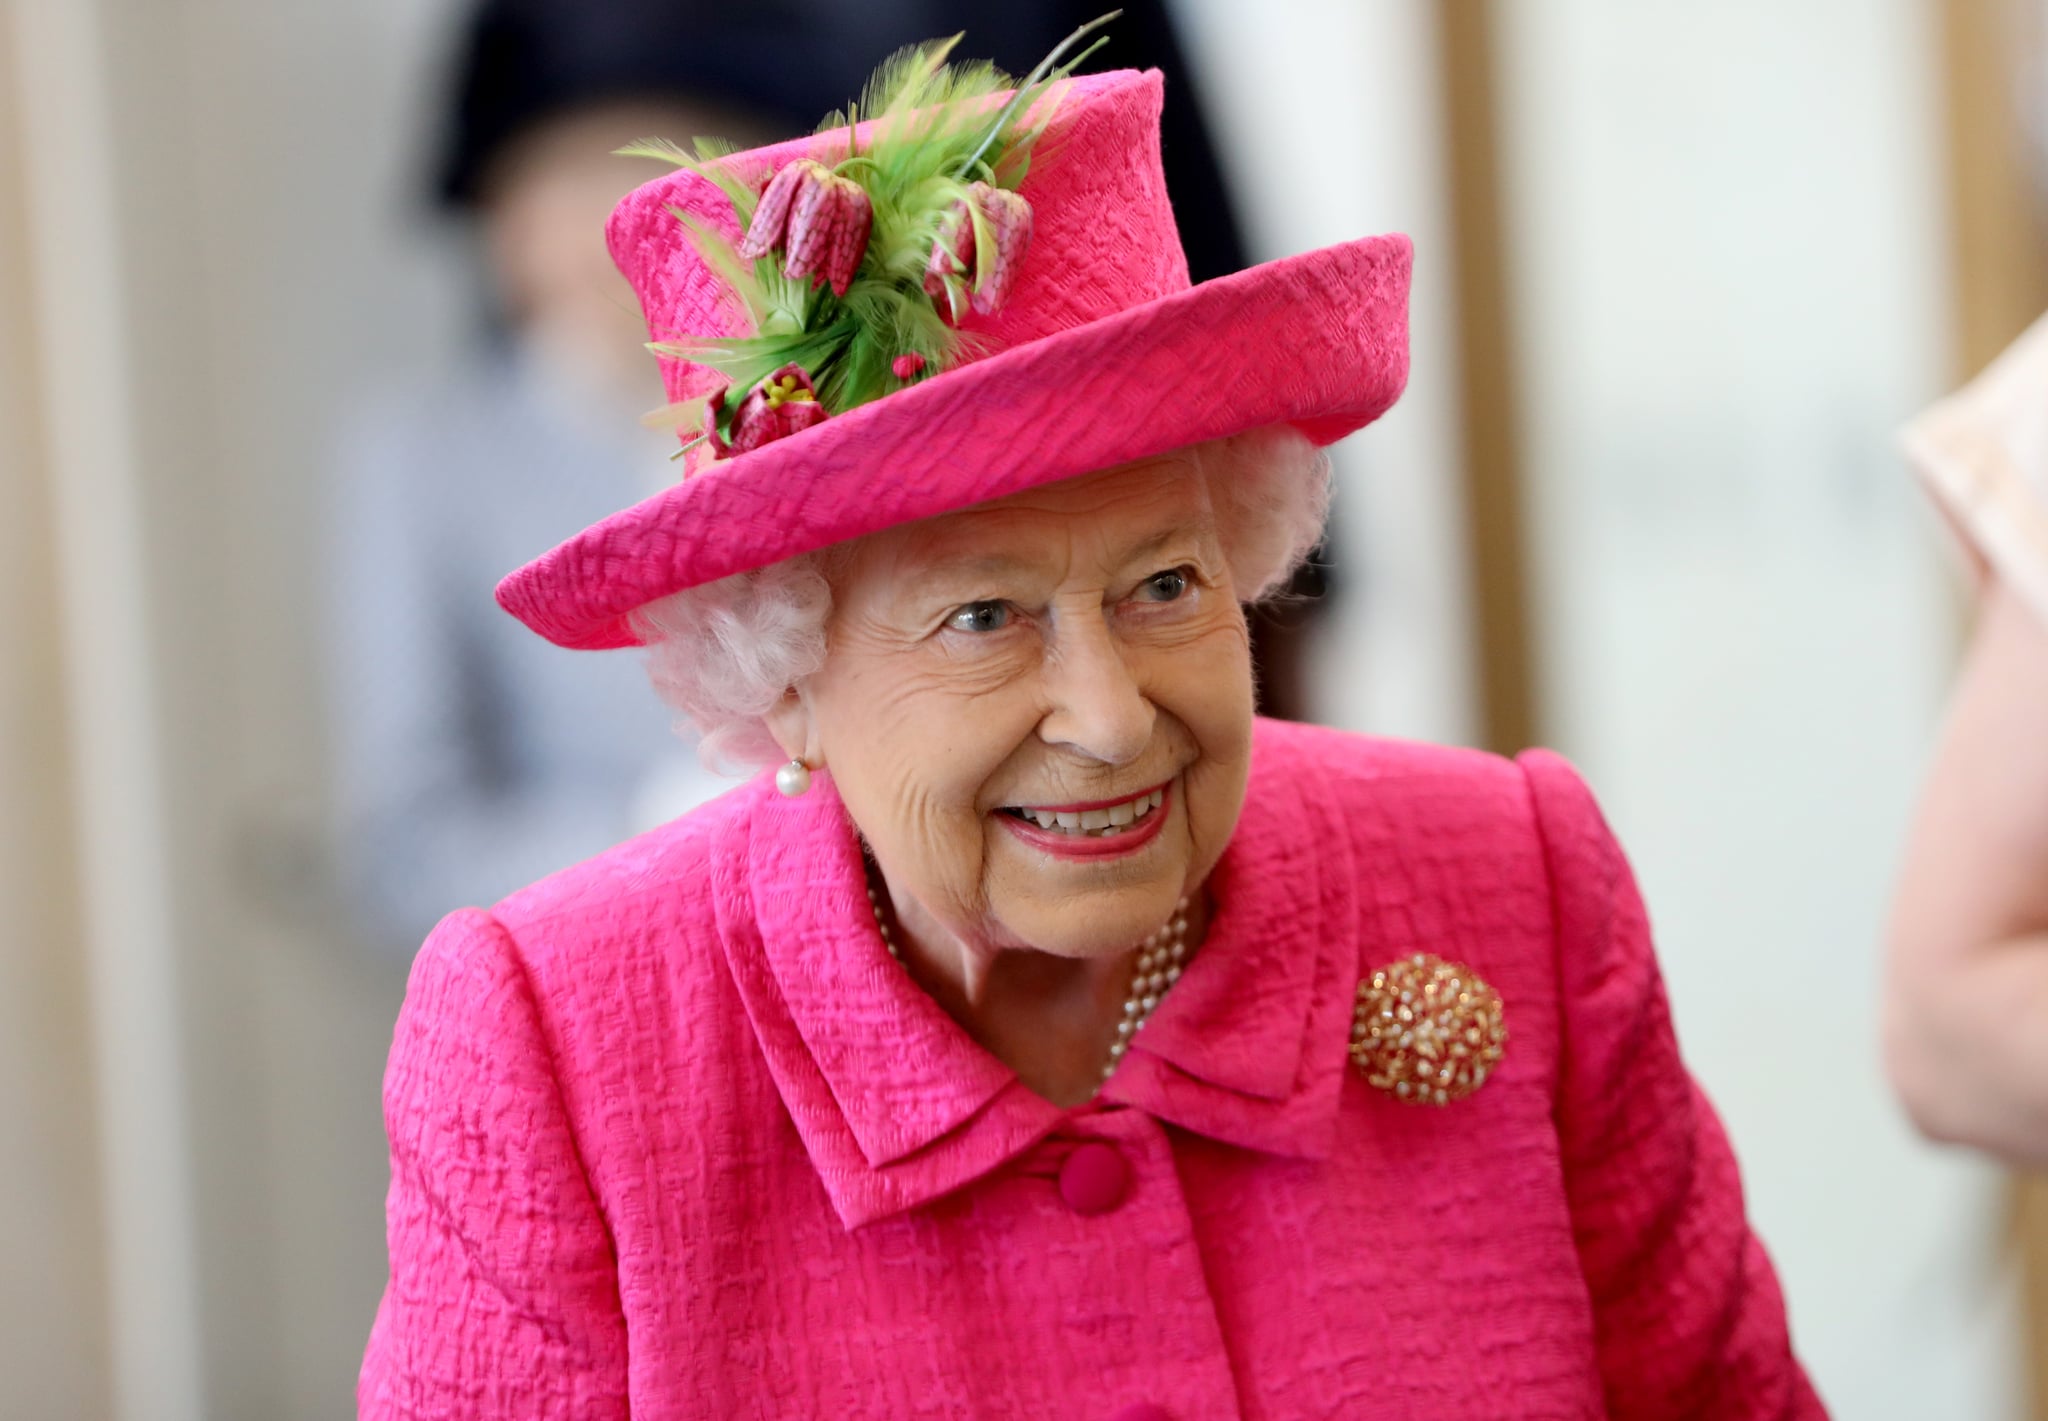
(789, 62)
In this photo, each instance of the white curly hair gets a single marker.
(721, 654)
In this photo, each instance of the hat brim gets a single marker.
(1319, 341)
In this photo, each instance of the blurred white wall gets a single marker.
(281, 142)
(220, 198)
(1726, 240)
(1327, 114)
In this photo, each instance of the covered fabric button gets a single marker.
(1094, 1180)
(1143, 1411)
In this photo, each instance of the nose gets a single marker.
(1096, 706)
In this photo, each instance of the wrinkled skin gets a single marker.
(1075, 643)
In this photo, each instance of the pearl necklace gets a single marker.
(1158, 963)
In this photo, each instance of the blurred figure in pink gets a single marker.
(1966, 1016)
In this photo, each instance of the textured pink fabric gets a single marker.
(671, 1132)
(1103, 354)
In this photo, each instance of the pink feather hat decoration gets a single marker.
(1098, 353)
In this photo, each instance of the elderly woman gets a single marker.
(1047, 1035)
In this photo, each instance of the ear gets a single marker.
(790, 721)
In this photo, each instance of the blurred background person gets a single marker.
(472, 760)
(467, 762)
(1966, 1019)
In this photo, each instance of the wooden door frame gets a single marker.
(1999, 284)
(1490, 414)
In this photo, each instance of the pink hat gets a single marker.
(1102, 352)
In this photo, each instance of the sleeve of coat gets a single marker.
(1689, 1316)
(503, 1296)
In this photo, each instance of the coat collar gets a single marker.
(1249, 1047)
(897, 1105)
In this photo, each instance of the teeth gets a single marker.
(1104, 822)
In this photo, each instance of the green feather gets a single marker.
(660, 149)
(900, 83)
(742, 277)
(1033, 88)
(933, 127)
(708, 162)
(748, 360)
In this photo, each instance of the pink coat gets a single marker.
(672, 1135)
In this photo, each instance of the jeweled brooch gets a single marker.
(1427, 1031)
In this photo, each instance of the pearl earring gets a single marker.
(793, 778)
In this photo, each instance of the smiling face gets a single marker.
(1039, 711)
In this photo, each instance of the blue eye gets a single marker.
(980, 617)
(1168, 586)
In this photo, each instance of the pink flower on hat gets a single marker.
(949, 275)
(819, 219)
(785, 403)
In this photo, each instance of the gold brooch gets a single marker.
(1427, 1031)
